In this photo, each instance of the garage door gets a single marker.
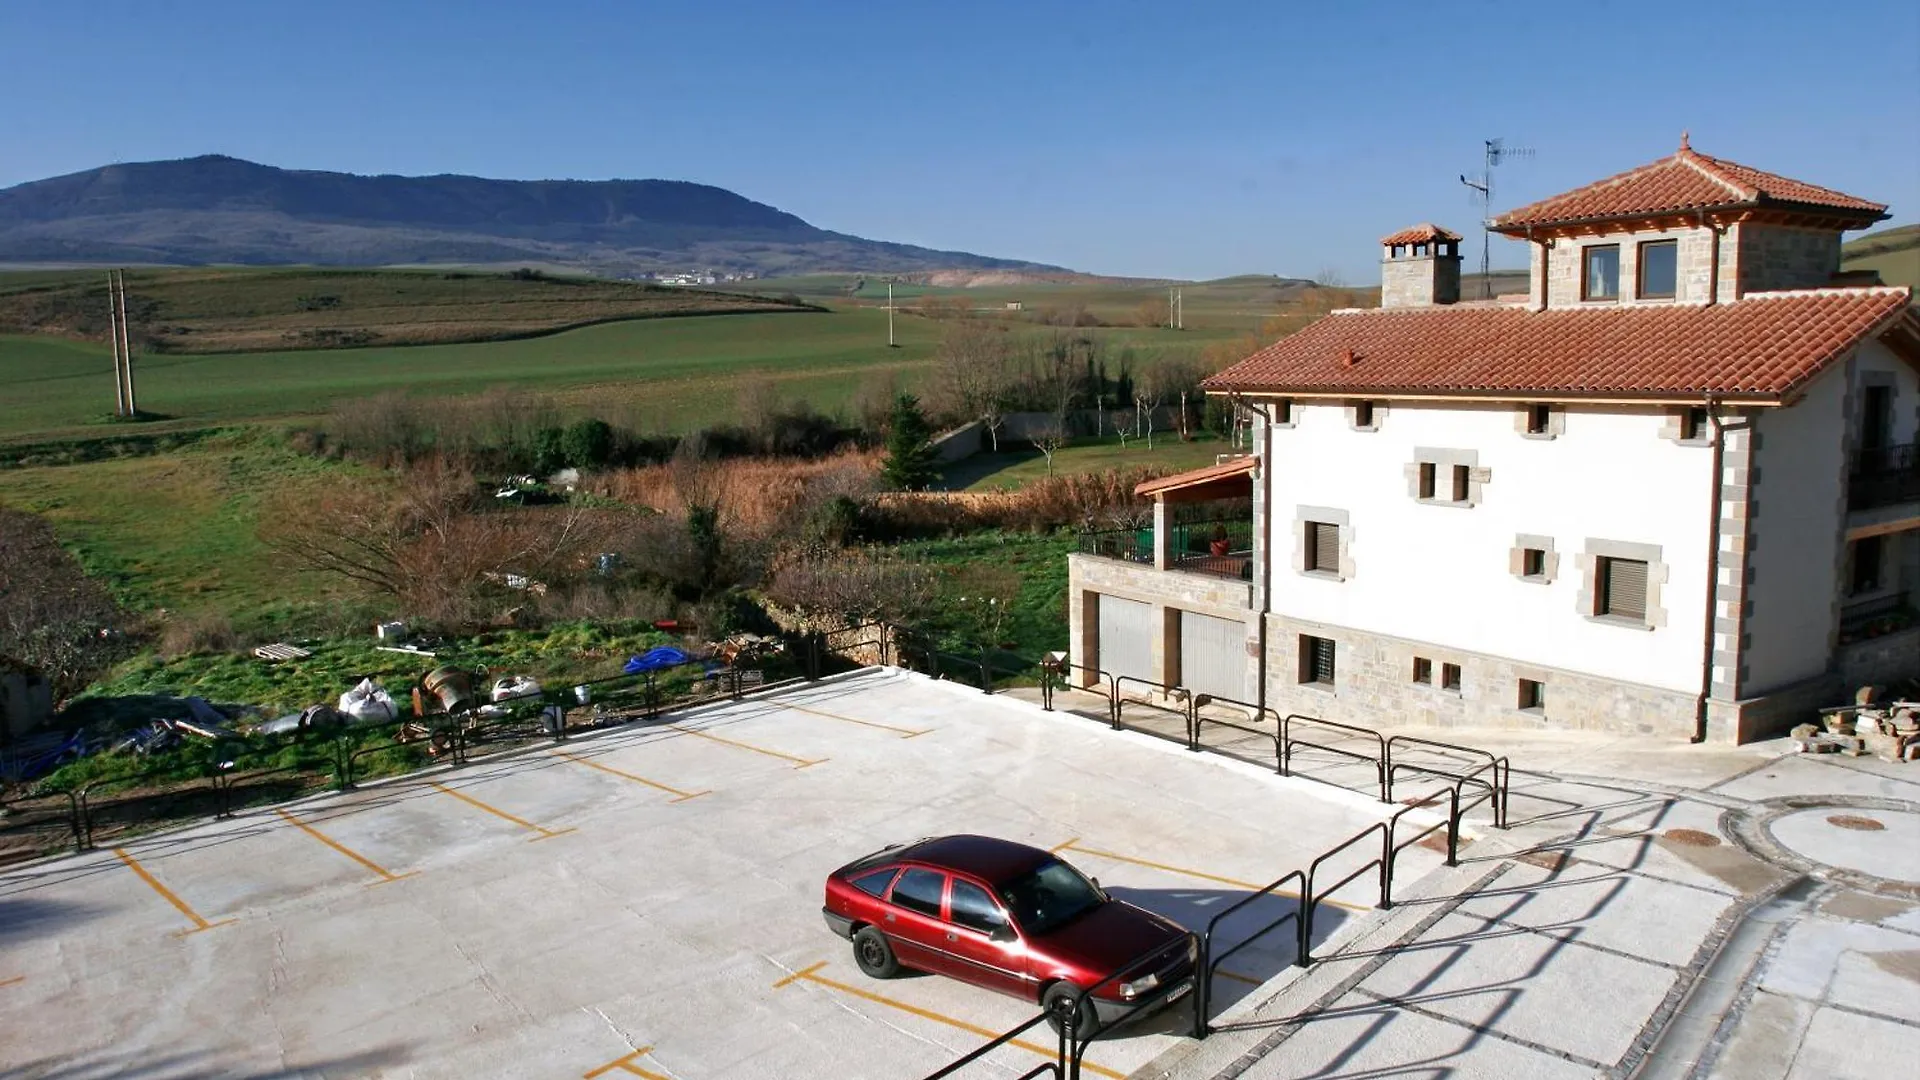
(1213, 656)
(1126, 638)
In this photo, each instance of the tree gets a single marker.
(52, 615)
(910, 464)
(973, 374)
(587, 443)
(1048, 439)
(1149, 390)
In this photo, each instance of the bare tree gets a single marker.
(973, 374)
(52, 615)
(1048, 439)
(1149, 390)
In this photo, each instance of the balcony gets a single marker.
(1217, 547)
(1884, 476)
(1862, 620)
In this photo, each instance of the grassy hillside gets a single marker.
(1893, 253)
(220, 310)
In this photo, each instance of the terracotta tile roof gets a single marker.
(1761, 348)
(1225, 470)
(1685, 182)
(1423, 233)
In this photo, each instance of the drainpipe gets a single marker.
(1713, 260)
(1713, 575)
(1266, 539)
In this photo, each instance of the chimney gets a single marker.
(1419, 267)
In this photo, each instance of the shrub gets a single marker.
(588, 443)
(186, 635)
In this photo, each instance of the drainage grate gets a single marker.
(1855, 821)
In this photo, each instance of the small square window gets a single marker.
(1427, 471)
(1533, 562)
(1316, 660)
(1622, 588)
(1600, 272)
(1533, 694)
(1450, 676)
(1460, 488)
(1283, 411)
(1323, 547)
(1538, 417)
(1363, 414)
(1659, 269)
(1423, 670)
(1693, 424)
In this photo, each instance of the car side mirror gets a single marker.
(1003, 932)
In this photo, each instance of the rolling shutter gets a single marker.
(1323, 547)
(1126, 638)
(1213, 655)
(1626, 588)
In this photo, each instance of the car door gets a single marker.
(973, 917)
(913, 921)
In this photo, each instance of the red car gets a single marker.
(1010, 918)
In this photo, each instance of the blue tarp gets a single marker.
(665, 656)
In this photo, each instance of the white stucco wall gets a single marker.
(1442, 574)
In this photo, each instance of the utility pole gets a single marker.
(890, 343)
(1179, 309)
(126, 350)
(113, 343)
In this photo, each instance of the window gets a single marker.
(1460, 474)
(1659, 269)
(1533, 694)
(1363, 415)
(1450, 677)
(1623, 588)
(1865, 576)
(1538, 417)
(919, 890)
(974, 909)
(1323, 547)
(1693, 424)
(1423, 670)
(1427, 471)
(1533, 562)
(1876, 418)
(1283, 411)
(1316, 660)
(875, 884)
(1600, 273)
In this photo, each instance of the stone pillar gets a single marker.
(1162, 534)
(1167, 663)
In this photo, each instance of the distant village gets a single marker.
(695, 277)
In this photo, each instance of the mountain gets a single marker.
(218, 209)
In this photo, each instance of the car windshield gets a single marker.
(1053, 895)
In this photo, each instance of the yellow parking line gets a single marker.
(807, 975)
(15, 979)
(905, 733)
(1074, 846)
(199, 923)
(545, 834)
(801, 763)
(382, 871)
(625, 1064)
(683, 795)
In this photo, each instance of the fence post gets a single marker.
(73, 810)
(85, 821)
(986, 674)
(1202, 989)
(1453, 827)
(1304, 954)
(343, 763)
(1386, 865)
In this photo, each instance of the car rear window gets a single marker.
(919, 890)
(875, 884)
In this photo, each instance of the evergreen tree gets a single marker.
(909, 465)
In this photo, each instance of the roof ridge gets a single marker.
(1826, 290)
(1700, 163)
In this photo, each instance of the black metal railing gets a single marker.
(1884, 475)
(1221, 548)
(1129, 545)
(1864, 616)
(1351, 735)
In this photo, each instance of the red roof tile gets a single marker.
(1686, 182)
(1764, 347)
(1209, 474)
(1424, 233)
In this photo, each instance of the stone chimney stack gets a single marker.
(1419, 267)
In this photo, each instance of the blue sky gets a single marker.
(1130, 138)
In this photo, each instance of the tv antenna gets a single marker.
(1497, 153)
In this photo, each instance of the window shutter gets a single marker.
(1627, 588)
(1324, 542)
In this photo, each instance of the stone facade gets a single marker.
(1373, 686)
(1882, 661)
(1693, 276)
(1169, 592)
(1420, 280)
(1773, 257)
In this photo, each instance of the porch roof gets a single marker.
(1225, 480)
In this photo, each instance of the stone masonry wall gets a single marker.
(1693, 275)
(1168, 591)
(1883, 661)
(1373, 685)
(1776, 257)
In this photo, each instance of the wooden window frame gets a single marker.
(1586, 274)
(1313, 547)
(1423, 671)
(1452, 677)
(1531, 695)
(1311, 649)
(1429, 479)
(1640, 269)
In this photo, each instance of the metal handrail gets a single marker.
(1288, 742)
(1498, 786)
(1202, 700)
(1053, 1068)
(1185, 712)
(1208, 963)
(1309, 899)
(1067, 667)
(1081, 1040)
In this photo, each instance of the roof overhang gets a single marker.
(1227, 480)
(1770, 213)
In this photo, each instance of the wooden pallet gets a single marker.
(280, 650)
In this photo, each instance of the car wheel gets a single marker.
(1058, 1002)
(874, 956)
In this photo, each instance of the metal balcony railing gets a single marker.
(1221, 548)
(1884, 475)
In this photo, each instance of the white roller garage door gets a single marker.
(1126, 638)
(1213, 656)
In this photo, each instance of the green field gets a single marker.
(1017, 464)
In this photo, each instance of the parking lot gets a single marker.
(645, 902)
